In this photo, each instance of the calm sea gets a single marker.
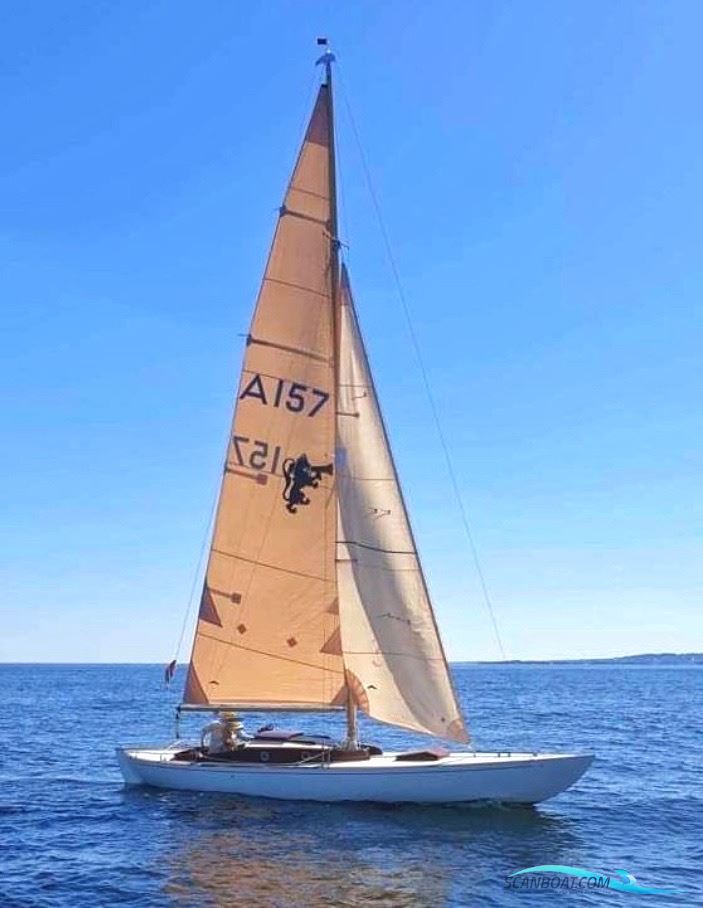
(71, 834)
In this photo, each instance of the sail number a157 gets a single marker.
(279, 392)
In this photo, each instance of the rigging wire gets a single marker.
(207, 533)
(423, 372)
(198, 569)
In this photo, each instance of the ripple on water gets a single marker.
(71, 835)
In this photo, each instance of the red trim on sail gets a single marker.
(358, 690)
(456, 730)
(208, 612)
(318, 130)
(333, 646)
(194, 692)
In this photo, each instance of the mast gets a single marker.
(326, 60)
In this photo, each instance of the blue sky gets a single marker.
(540, 174)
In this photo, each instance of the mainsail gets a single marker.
(268, 627)
(314, 595)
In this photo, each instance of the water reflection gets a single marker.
(256, 852)
(235, 868)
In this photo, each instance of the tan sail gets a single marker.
(268, 627)
(392, 651)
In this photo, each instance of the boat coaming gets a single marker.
(461, 777)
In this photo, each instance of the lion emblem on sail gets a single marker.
(300, 474)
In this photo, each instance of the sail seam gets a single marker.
(263, 652)
(271, 567)
(276, 280)
(315, 195)
(375, 548)
(283, 211)
(377, 567)
(298, 350)
(265, 374)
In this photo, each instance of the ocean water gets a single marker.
(72, 835)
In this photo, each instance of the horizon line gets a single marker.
(542, 661)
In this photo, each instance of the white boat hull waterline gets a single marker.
(458, 778)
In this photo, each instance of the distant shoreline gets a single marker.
(640, 659)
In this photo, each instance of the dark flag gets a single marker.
(169, 672)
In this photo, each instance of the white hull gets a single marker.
(456, 778)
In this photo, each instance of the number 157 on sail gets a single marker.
(256, 454)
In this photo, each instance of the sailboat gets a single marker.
(314, 598)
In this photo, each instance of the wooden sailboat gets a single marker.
(314, 596)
